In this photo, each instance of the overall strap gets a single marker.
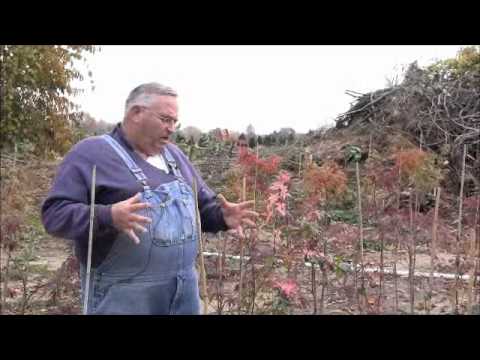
(127, 159)
(172, 164)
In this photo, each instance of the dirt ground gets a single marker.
(339, 294)
(50, 284)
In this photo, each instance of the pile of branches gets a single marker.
(434, 110)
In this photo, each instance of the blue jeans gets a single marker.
(157, 276)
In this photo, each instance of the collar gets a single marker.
(119, 135)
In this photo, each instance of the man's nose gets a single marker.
(171, 127)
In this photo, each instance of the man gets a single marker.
(145, 233)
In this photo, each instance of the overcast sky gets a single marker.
(270, 87)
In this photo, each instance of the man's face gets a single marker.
(156, 124)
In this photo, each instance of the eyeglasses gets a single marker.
(166, 119)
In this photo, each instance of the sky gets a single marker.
(270, 87)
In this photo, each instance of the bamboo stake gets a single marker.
(411, 256)
(252, 242)
(90, 241)
(360, 221)
(219, 283)
(255, 183)
(314, 290)
(203, 275)
(459, 230)
(324, 279)
(433, 250)
(474, 255)
(6, 276)
(300, 165)
(397, 243)
(240, 284)
(382, 245)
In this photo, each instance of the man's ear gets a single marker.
(134, 111)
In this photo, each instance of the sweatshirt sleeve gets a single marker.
(66, 210)
(210, 211)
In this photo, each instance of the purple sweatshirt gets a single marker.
(66, 211)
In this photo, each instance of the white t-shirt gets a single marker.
(158, 161)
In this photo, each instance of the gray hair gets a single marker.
(142, 95)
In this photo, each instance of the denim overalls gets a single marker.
(157, 276)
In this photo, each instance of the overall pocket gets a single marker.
(126, 258)
(172, 221)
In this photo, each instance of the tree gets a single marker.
(286, 135)
(234, 135)
(178, 137)
(88, 126)
(192, 134)
(466, 61)
(35, 85)
(267, 140)
(204, 140)
(250, 132)
(216, 134)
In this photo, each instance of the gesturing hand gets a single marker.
(236, 215)
(125, 219)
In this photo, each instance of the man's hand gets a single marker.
(237, 215)
(125, 219)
